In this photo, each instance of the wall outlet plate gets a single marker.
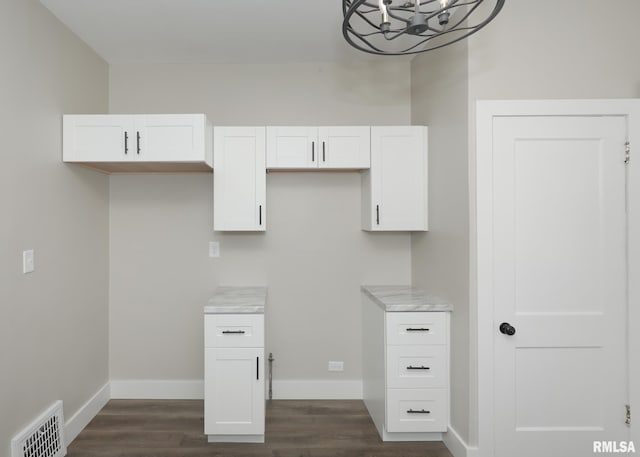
(28, 261)
(336, 365)
(214, 249)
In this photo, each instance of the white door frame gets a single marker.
(486, 110)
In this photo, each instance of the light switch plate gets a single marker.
(214, 249)
(28, 261)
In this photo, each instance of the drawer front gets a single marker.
(234, 330)
(415, 367)
(417, 410)
(416, 328)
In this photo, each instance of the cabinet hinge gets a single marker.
(628, 416)
(627, 153)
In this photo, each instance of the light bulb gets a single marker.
(443, 17)
(385, 24)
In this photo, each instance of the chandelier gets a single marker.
(397, 27)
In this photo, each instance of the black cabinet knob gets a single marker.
(507, 329)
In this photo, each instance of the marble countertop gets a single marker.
(237, 300)
(405, 298)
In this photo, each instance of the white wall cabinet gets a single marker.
(239, 179)
(139, 143)
(394, 189)
(338, 147)
(234, 397)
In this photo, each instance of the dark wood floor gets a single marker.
(294, 428)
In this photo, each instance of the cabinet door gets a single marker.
(98, 138)
(344, 147)
(292, 147)
(234, 391)
(395, 188)
(239, 179)
(170, 137)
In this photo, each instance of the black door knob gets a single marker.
(507, 329)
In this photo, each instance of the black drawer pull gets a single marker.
(417, 329)
(126, 143)
(313, 151)
(233, 332)
(422, 411)
(421, 367)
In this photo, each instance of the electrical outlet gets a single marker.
(336, 365)
(214, 249)
(28, 261)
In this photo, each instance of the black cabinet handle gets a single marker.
(260, 215)
(126, 143)
(377, 214)
(417, 329)
(233, 332)
(313, 151)
(138, 141)
(323, 158)
(422, 411)
(257, 368)
(421, 367)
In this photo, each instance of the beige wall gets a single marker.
(53, 330)
(533, 50)
(313, 255)
(440, 257)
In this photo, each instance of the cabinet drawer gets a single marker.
(416, 328)
(417, 366)
(417, 410)
(234, 330)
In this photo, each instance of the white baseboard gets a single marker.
(457, 446)
(317, 390)
(157, 389)
(194, 390)
(88, 411)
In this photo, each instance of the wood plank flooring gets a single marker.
(294, 428)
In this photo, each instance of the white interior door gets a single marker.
(559, 280)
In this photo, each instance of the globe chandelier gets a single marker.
(400, 27)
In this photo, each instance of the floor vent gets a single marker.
(43, 437)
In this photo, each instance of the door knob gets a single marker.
(507, 329)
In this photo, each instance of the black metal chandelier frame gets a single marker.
(425, 22)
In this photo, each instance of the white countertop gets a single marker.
(237, 300)
(405, 299)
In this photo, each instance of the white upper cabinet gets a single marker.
(341, 147)
(394, 190)
(292, 147)
(139, 143)
(239, 180)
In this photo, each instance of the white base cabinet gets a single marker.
(139, 143)
(406, 372)
(234, 389)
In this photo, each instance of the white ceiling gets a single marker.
(209, 31)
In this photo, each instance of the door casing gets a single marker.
(486, 111)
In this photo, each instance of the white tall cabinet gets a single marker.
(394, 189)
(234, 368)
(239, 179)
(405, 362)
